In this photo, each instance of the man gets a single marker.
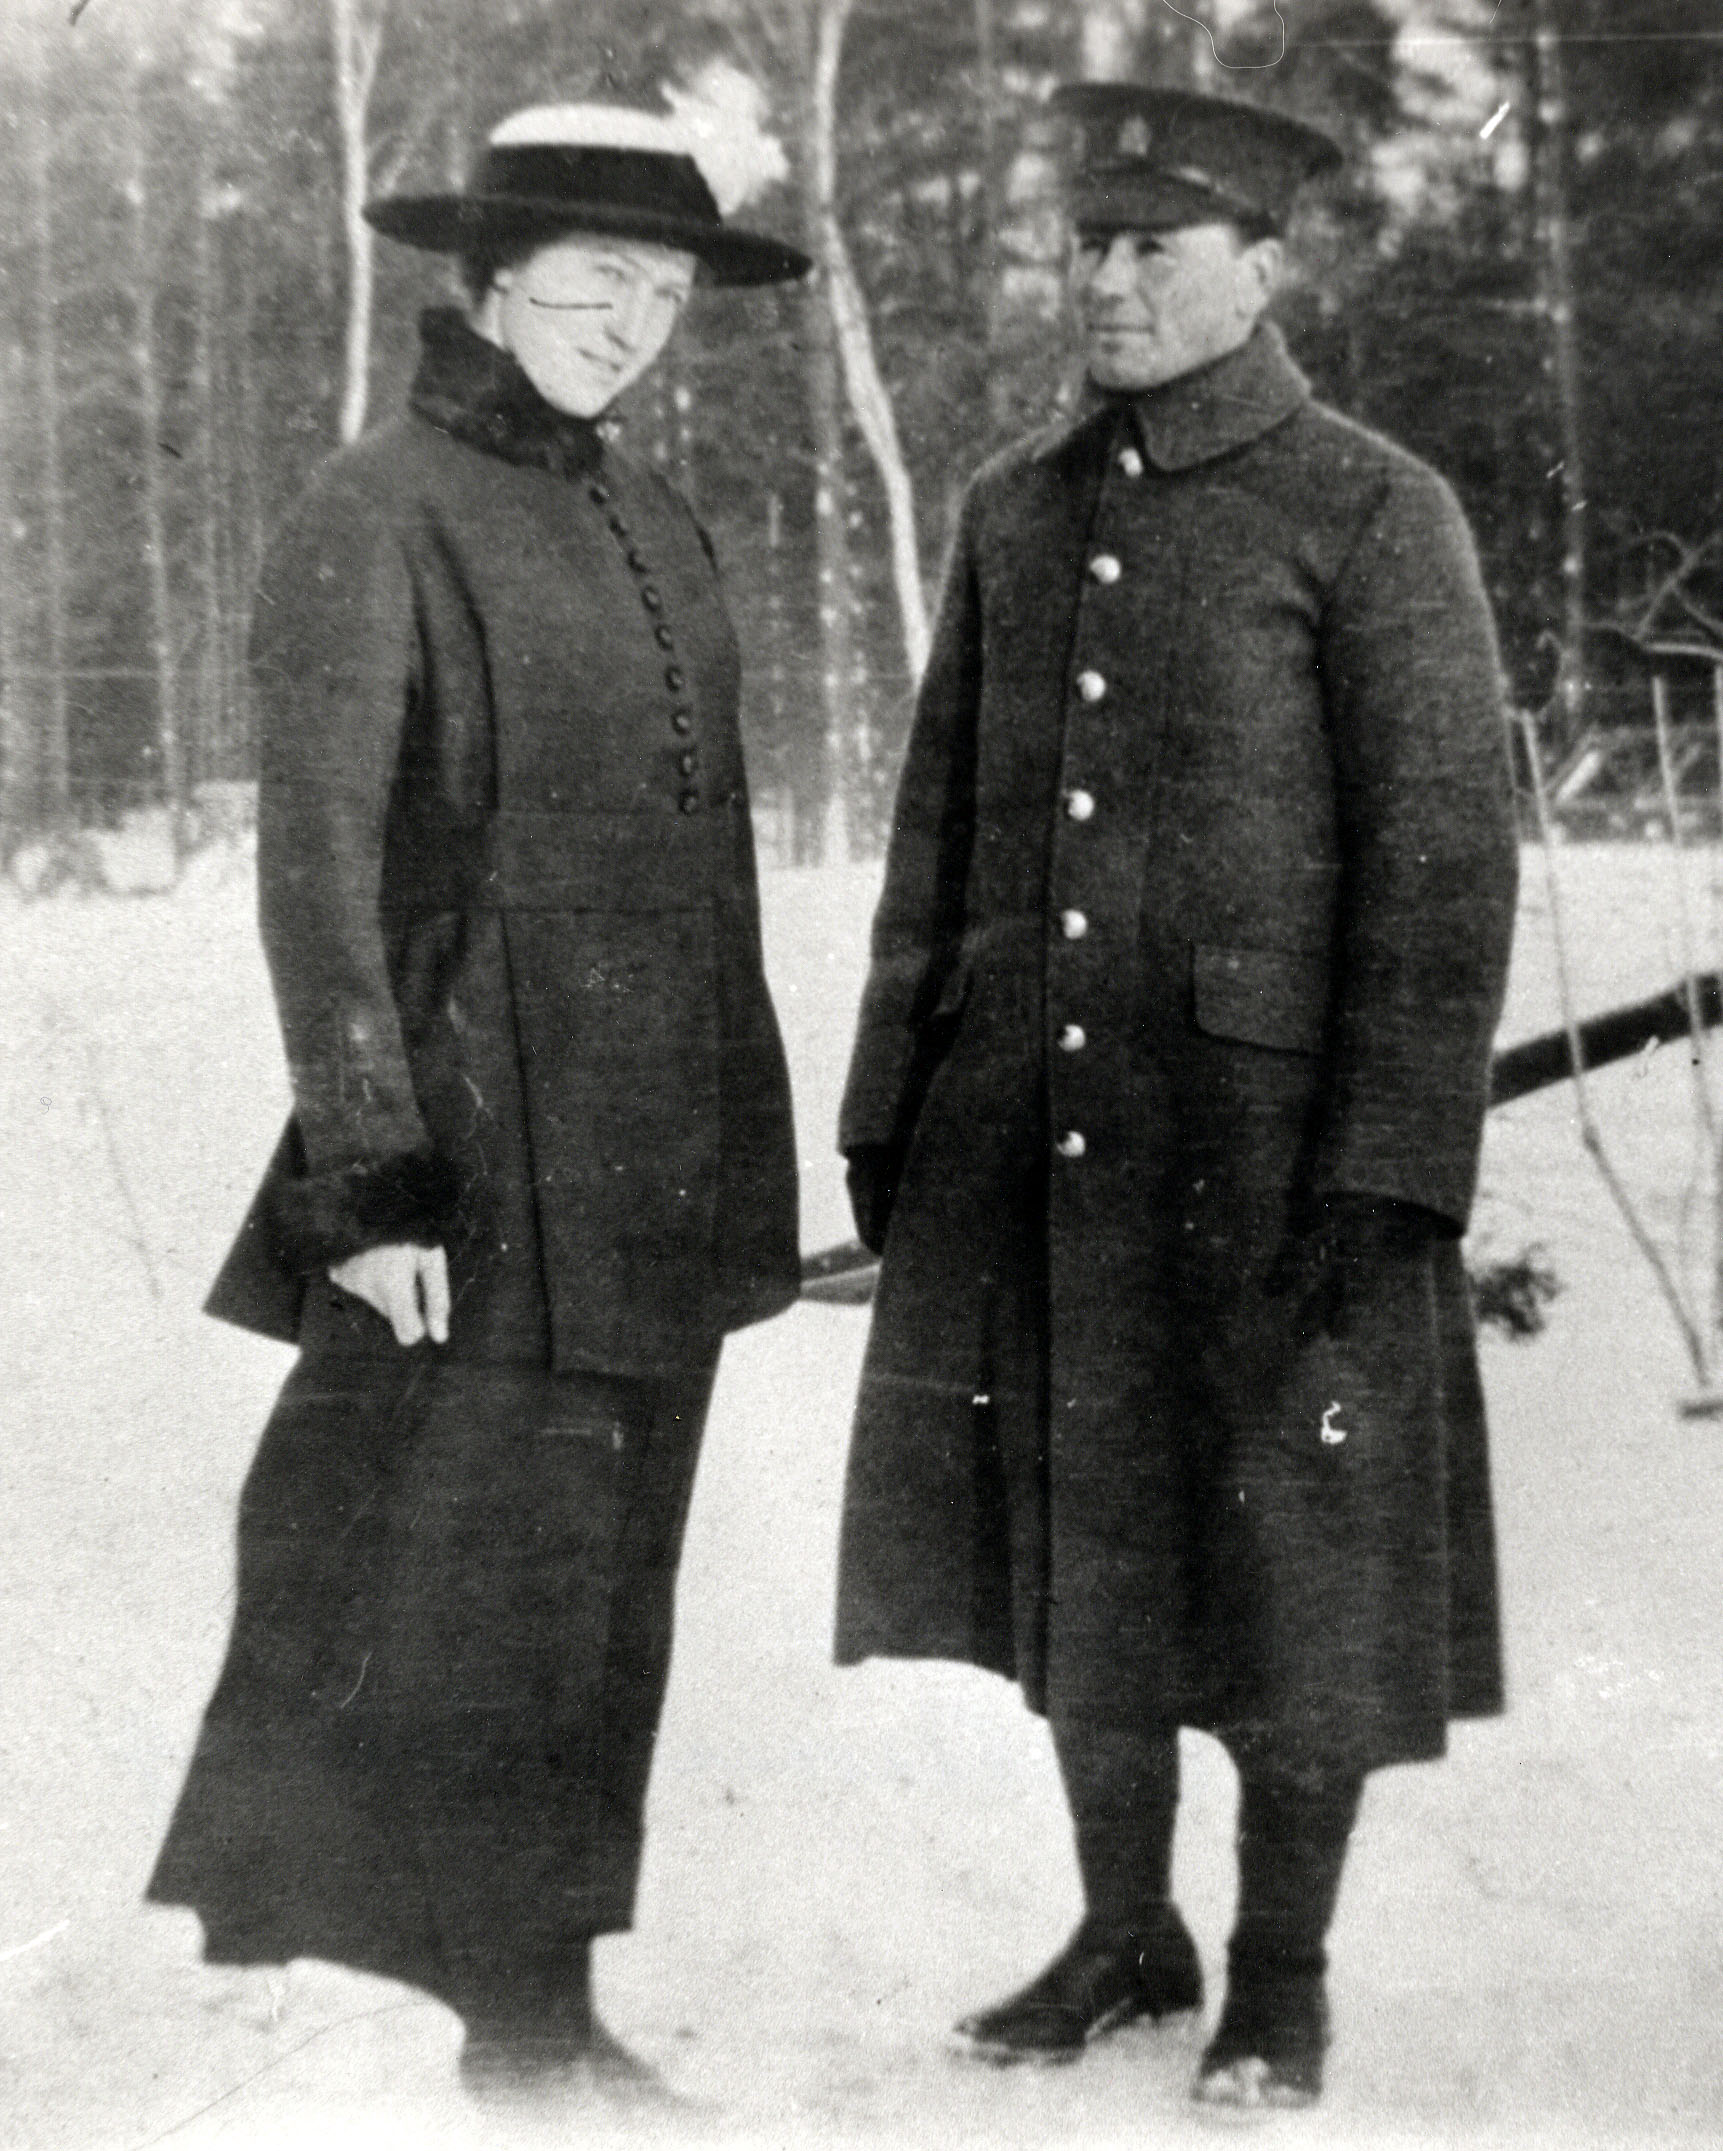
(541, 1157)
(1167, 1096)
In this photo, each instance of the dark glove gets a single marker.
(1328, 1258)
(872, 1174)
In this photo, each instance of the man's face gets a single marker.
(1155, 305)
(585, 316)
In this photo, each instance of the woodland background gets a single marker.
(1520, 275)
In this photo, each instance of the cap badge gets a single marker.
(1135, 137)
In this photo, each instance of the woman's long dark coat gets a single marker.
(509, 905)
(1197, 909)
(507, 893)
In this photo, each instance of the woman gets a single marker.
(540, 1157)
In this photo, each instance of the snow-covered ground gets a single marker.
(1530, 1946)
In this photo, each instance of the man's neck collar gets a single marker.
(1233, 400)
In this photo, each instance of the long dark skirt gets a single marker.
(428, 1751)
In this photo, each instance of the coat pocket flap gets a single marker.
(1261, 997)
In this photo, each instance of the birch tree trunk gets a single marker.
(357, 41)
(1556, 299)
(868, 398)
(246, 528)
(1109, 34)
(212, 646)
(1026, 269)
(55, 746)
(17, 774)
(145, 296)
(831, 490)
(1140, 40)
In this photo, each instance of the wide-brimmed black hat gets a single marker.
(593, 168)
(1152, 159)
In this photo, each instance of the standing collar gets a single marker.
(470, 388)
(1204, 414)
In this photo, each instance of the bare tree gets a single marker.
(144, 280)
(356, 31)
(1109, 35)
(798, 46)
(223, 488)
(821, 369)
(868, 399)
(1025, 241)
(54, 752)
(422, 97)
(1556, 299)
(16, 757)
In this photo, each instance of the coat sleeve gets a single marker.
(918, 927)
(1429, 855)
(335, 669)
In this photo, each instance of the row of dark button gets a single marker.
(681, 717)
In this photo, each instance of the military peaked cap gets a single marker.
(1150, 159)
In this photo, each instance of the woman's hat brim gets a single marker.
(452, 223)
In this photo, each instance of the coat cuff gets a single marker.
(323, 1218)
(873, 1102)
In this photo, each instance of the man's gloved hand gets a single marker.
(1328, 1257)
(872, 1173)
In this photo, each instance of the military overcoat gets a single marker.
(1197, 909)
(508, 898)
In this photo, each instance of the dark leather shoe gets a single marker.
(1097, 1982)
(1268, 2046)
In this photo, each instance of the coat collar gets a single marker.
(1203, 414)
(467, 387)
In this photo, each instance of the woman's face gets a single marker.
(585, 315)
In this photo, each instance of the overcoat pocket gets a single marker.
(1260, 997)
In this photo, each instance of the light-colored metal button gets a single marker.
(1091, 686)
(1072, 1038)
(1073, 925)
(1130, 462)
(1106, 567)
(1079, 805)
(1071, 1144)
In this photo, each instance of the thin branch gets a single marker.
(388, 170)
(1590, 1135)
(136, 1238)
(1683, 910)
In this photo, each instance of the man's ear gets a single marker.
(1267, 259)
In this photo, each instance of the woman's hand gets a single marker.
(408, 1286)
